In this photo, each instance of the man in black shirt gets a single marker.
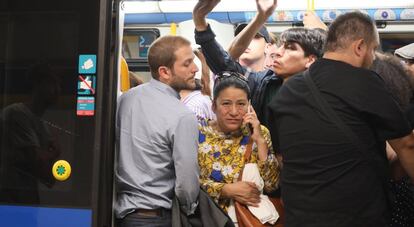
(326, 180)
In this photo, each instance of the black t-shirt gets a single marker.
(270, 91)
(325, 180)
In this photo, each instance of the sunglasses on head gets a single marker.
(228, 74)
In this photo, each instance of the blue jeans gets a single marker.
(142, 220)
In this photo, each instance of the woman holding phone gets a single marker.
(223, 142)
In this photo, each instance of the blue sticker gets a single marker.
(86, 85)
(144, 43)
(85, 106)
(87, 64)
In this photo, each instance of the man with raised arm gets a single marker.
(299, 48)
(254, 56)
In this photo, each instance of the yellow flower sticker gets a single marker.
(61, 170)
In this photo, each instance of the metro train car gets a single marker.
(395, 21)
(62, 70)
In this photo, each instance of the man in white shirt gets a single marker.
(157, 140)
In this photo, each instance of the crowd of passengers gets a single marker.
(316, 117)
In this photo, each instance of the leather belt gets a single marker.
(159, 212)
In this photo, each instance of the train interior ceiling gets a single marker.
(144, 21)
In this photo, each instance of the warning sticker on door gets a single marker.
(85, 106)
(87, 64)
(86, 85)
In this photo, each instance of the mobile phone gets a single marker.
(249, 111)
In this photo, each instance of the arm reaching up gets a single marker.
(265, 8)
(200, 12)
(311, 20)
(217, 58)
(205, 73)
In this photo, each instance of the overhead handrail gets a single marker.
(311, 5)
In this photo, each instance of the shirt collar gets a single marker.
(273, 76)
(165, 88)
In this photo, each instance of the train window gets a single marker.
(37, 112)
(136, 43)
(392, 41)
(135, 46)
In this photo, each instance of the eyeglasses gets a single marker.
(229, 74)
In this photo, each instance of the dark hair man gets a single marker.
(264, 85)
(157, 140)
(329, 179)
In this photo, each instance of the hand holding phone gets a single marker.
(249, 111)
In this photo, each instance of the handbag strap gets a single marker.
(247, 155)
(327, 109)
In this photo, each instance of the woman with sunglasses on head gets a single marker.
(223, 143)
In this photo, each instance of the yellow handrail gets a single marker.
(125, 85)
(173, 29)
(311, 5)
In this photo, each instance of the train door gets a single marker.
(57, 107)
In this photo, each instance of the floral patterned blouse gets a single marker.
(221, 158)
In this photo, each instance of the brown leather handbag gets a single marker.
(244, 217)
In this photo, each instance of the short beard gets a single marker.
(181, 85)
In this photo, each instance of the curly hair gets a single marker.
(396, 78)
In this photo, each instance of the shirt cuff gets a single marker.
(265, 165)
(204, 36)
